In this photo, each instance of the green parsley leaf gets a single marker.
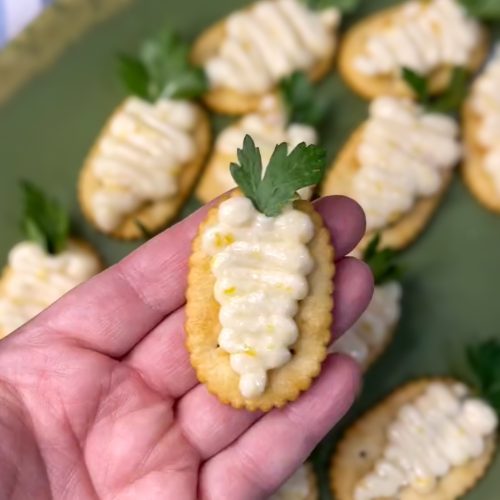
(448, 101)
(284, 176)
(484, 361)
(417, 83)
(381, 262)
(487, 10)
(163, 69)
(300, 100)
(345, 6)
(134, 75)
(44, 220)
(453, 97)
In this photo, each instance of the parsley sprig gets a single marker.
(162, 69)
(285, 174)
(300, 100)
(345, 6)
(447, 102)
(382, 262)
(44, 220)
(487, 10)
(484, 361)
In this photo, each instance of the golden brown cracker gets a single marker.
(364, 443)
(314, 321)
(210, 185)
(403, 231)
(369, 87)
(228, 101)
(153, 216)
(7, 271)
(476, 178)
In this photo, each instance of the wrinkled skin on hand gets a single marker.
(98, 399)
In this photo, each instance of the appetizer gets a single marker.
(430, 439)
(45, 266)
(368, 338)
(259, 297)
(481, 118)
(246, 55)
(429, 37)
(397, 165)
(290, 116)
(300, 486)
(148, 157)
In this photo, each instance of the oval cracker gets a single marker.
(153, 216)
(363, 443)
(314, 320)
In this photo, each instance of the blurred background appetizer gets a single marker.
(369, 337)
(429, 37)
(246, 55)
(397, 166)
(44, 266)
(148, 157)
(301, 485)
(290, 115)
(481, 121)
(431, 438)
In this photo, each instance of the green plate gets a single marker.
(48, 125)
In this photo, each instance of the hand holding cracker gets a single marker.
(105, 370)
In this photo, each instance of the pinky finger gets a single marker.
(273, 448)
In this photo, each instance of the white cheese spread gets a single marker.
(268, 41)
(422, 36)
(403, 156)
(140, 157)
(260, 266)
(35, 280)
(267, 128)
(375, 325)
(443, 428)
(297, 487)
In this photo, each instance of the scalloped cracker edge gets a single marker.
(314, 320)
(403, 231)
(476, 178)
(370, 87)
(153, 216)
(364, 442)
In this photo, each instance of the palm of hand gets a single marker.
(99, 399)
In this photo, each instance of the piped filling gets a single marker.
(36, 279)
(268, 41)
(139, 159)
(267, 128)
(403, 156)
(372, 330)
(443, 428)
(261, 265)
(296, 488)
(422, 36)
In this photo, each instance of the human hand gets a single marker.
(98, 398)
